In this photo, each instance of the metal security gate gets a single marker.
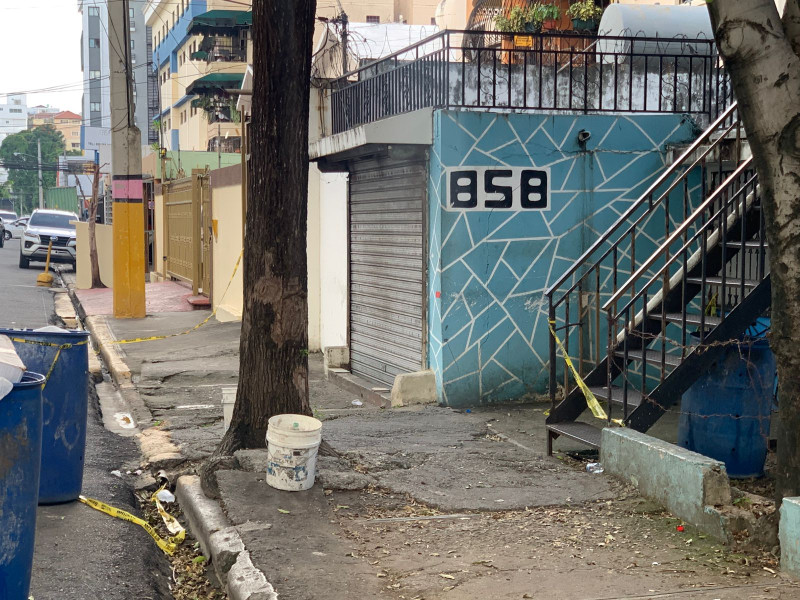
(179, 229)
(387, 198)
(188, 231)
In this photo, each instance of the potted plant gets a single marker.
(551, 15)
(528, 19)
(519, 19)
(585, 15)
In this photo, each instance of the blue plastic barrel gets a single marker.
(726, 413)
(20, 460)
(65, 401)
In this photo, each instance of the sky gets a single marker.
(40, 48)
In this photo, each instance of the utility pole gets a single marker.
(126, 157)
(39, 158)
(343, 18)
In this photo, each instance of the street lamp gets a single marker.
(39, 161)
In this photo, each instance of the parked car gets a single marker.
(47, 226)
(16, 228)
(7, 216)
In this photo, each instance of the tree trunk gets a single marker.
(273, 359)
(94, 261)
(758, 51)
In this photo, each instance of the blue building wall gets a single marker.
(488, 269)
(176, 37)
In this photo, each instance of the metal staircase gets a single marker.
(652, 303)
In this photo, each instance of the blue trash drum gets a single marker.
(20, 461)
(726, 413)
(64, 406)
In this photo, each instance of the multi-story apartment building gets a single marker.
(69, 124)
(199, 46)
(95, 65)
(13, 119)
(411, 12)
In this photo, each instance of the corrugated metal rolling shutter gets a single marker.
(387, 288)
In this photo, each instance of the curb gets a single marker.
(104, 340)
(221, 542)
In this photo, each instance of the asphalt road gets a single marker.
(82, 554)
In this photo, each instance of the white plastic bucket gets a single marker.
(292, 445)
(228, 400)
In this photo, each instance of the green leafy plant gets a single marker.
(585, 10)
(526, 18)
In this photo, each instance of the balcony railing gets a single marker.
(221, 51)
(545, 72)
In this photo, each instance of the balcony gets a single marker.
(548, 72)
(220, 51)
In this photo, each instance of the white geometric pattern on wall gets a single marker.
(488, 270)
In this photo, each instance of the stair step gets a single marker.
(601, 393)
(581, 432)
(691, 319)
(729, 281)
(749, 244)
(653, 357)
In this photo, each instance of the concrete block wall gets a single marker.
(688, 484)
(789, 535)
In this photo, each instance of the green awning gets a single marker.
(220, 22)
(214, 84)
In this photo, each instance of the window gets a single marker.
(94, 42)
(94, 11)
(57, 221)
(132, 45)
(433, 20)
(94, 74)
(131, 14)
(15, 110)
(94, 107)
(373, 19)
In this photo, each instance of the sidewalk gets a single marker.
(425, 502)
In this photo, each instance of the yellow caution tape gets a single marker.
(169, 546)
(59, 347)
(591, 400)
(154, 338)
(172, 524)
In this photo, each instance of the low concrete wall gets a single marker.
(789, 535)
(161, 249)
(226, 209)
(688, 484)
(105, 255)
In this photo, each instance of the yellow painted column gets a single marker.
(128, 223)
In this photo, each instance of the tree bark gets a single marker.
(273, 353)
(93, 259)
(758, 49)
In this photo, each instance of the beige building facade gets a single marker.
(69, 124)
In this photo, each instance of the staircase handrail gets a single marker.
(645, 197)
(675, 236)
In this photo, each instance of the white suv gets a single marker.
(47, 226)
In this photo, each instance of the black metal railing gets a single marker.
(220, 51)
(545, 71)
(576, 299)
(719, 249)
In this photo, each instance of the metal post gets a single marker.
(126, 158)
(344, 20)
(39, 158)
